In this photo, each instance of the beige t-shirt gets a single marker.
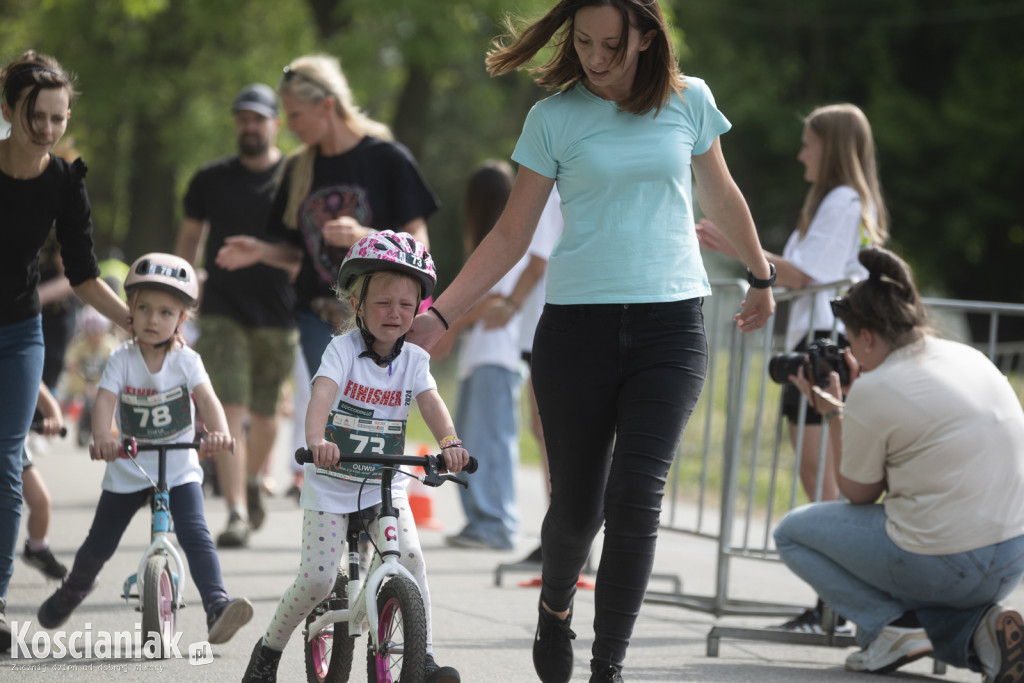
(943, 426)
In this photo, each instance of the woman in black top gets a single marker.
(38, 192)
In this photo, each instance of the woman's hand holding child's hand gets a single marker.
(325, 453)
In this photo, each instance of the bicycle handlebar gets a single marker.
(37, 427)
(430, 463)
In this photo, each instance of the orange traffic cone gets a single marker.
(421, 499)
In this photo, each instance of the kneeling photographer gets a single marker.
(934, 426)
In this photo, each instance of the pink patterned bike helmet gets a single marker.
(166, 272)
(387, 250)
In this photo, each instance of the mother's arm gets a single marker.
(722, 202)
(500, 250)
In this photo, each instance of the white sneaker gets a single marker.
(999, 644)
(894, 647)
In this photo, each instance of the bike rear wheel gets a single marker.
(401, 634)
(329, 652)
(157, 605)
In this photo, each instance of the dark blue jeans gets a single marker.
(113, 514)
(615, 386)
(21, 369)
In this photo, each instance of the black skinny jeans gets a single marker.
(615, 386)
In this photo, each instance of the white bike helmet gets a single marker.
(167, 272)
(387, 250)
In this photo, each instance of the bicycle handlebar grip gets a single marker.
(471, 466)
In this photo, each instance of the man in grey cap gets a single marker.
(247, 333)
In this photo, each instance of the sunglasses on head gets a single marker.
(840, 306)
(289, 74)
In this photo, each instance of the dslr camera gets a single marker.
(821, 357)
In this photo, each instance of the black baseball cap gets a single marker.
(256, 97)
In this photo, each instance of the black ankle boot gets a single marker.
(552, 647)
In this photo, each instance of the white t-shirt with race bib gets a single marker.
(154, 408)
(368, 415)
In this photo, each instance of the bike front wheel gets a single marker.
(401, 634)
(329, 652)
(157, 606)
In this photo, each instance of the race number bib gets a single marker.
(364, 436)
(156, 417)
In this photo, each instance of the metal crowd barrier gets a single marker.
(736, 473)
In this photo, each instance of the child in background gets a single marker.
(367, 373)
(37, 551)
(86, 357)
(153, 379)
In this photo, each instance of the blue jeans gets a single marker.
(21, 370)
(113, 514)
(487, 421)
(845, 554)
(615, 386)
(314, 336)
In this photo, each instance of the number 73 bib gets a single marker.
(364, 436)
(157, 417)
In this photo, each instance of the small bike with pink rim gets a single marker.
(160, 581)
(388, 604)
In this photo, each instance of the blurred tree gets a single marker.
(941, 83)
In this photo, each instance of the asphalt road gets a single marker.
(482, 628)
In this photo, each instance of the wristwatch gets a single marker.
(762, 284)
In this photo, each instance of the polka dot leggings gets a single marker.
(323, 547)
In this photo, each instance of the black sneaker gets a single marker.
(236, 535)
(254, 503)
(599, 673)
(432, 673)
(44, 561)
(5, 628)
(262, 664)
(59, 606)
(225, 618)
(552, 649)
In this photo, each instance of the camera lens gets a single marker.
(781, 366)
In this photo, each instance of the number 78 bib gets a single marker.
(157, 417)
(364, 436)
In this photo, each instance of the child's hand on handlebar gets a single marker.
(325, 453)
(455, 458)
(215, 442)
(105, 448)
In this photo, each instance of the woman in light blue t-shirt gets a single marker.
(620, 355)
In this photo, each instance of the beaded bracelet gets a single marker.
(450, 442)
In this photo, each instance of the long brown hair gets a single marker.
(657, 73)
(847, 158)
(312, 78)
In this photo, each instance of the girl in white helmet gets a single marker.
(151, 381)
(370, 372)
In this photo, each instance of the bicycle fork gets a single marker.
(159, 543)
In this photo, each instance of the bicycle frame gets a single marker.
(363, 608)
(362, 611)
(160, 528)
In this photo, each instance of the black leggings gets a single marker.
(615, 386)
